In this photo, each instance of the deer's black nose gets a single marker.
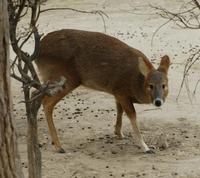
(158, 102)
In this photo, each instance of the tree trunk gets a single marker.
(10, 166)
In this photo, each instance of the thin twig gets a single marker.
(196, 86)
(156, 31)
(96, 12)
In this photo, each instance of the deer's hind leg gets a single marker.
(48, 105)
(118, 125)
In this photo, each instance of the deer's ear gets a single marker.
(143, 66)
(164, 64)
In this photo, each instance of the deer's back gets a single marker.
(97, 60)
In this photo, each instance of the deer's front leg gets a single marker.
(127, 105)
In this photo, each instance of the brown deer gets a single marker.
(103, 63)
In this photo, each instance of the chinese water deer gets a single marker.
(103, 63)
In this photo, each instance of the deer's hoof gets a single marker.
(60, 150)
(150, 152)
(119, 135)
(152, 147)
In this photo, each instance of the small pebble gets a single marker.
(113, 152)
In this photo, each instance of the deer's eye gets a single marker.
(163, 86)
(151, 86)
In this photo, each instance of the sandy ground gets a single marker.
(85, 118)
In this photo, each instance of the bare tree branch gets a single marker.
(188, 17)
(193, 58)
(196, 3)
